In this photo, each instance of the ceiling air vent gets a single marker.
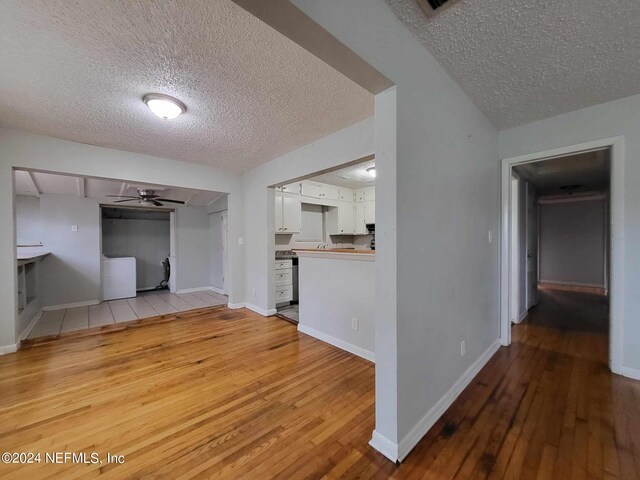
(431, 7)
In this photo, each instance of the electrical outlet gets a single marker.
(74, 228)
(240, 241)
(253, 292)
(354, 324)
(463, 348)
(490, 236)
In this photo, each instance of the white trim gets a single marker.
(64, 306)
(385, 446)
(433, 415)
(218, 290)
(572, 284)
(197, 289)
(336, 342)
(25, 333)
(235, 306)
(616, 234)
(630, 372)
(260, 310)
(4, 349)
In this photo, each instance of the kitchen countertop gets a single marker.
(338, 253)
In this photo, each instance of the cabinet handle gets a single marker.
(285, 228)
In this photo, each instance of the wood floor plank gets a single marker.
(220, 393)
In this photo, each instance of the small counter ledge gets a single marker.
(338, 253)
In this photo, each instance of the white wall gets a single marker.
(145, 239)
(447, 202)
(611, 119)
(332, 293)
(72, 272)
(24, 150)
(349, 144)
(572, 243)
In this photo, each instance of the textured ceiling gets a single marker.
(36, 183)
(525, 60)
(353, 176)
(588, 170)
(78, 71)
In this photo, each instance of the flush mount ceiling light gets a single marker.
(164, 106)
(371, 171)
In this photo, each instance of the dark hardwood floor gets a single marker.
(221, 393)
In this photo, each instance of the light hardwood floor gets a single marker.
(146, 304)
(225, 393)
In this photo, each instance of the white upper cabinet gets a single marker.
(340, 219)
(346, 195)
(320, 191)
(295, 188)
(359, 227)
(366, 194)
(369, 212)
(288, 214)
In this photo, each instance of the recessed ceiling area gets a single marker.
(37, 183)
(523, 60)
(79, 71)
(353, 176)
(583, 172)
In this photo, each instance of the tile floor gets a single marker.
(292, 312)
(146, 304)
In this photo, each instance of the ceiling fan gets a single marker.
(145, 196)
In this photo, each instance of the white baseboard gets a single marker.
(218, 290)
(385, 446)
(197, 289)
(235, 306)
(424, 425)
(25, 333)
(336, 342)
(260, 310)
(522, 316)
(63, 306)
(629, 372)
(4, 349)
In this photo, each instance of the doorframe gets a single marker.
(514, 248)
(616, 237)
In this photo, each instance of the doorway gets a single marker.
(560, 261)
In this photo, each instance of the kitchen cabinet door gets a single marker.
(278, 214)
(291, 215)
(346, 195)
(359, 220)
(369, 212)
(345, 218)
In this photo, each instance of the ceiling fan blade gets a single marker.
(170, 201)
(156, 203)
(126, 200)
(121, 196)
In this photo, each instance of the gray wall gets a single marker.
(28, 227)
(572, 245)
(72, 272)
(216, 260)
(611, 119)
(447, 202)
(193, 248)
(146, 240)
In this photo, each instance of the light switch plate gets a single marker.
(74, 228)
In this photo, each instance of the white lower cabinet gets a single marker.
(283, 272)
(288, 214)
